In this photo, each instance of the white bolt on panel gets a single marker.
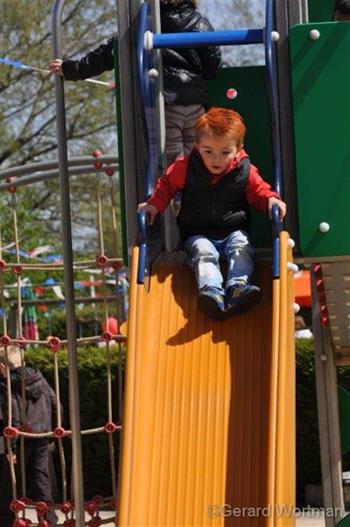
(291, 243)
(324, 227)
(153, 73)
(275, 36)
(314, 34)
(323, 357)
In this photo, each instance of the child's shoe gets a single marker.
(241, 297)
(211, 302)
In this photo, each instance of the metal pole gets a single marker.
(74, 407)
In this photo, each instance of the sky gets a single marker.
(233, 14)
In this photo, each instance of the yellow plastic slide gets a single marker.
(209, 428)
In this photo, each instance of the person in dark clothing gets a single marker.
(35, 411)
(341, 11)
(184, 73)
(7, 517)
(218, 184)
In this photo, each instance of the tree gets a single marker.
(27, 111)
(27, 104)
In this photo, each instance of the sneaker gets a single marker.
(211, 302)
(239, 298)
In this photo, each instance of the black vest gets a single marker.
(214, 211)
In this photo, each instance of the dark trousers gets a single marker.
(38, 481)
(6, 516)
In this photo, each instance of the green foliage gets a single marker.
(308, 450)
(93, 406)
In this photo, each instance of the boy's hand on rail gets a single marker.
(55, 66)
(150, 210)
(281, 206)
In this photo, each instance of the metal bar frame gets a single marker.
(48, 165)
(66, 230)
(51, 174)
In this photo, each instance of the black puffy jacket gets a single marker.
(184, 70)
(40, 409)
(213, 211)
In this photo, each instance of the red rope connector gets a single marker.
(44, 523)
(2, 265)
(90, 507)
(101, 260)
(59, 432)
(109, 171)
(98, 164)
(42, 508)
(99, 500)
(110, 427)
(113, 504)
(10, 432)
(22, 522)
(117, 266)
(66, 507)
(53, 343)
(5, 340)
(21, 344)
(17, 505)
(106, 336)
(11, 188)
(17, 269)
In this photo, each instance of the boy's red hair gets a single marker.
(221, 122)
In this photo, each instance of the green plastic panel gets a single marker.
(320, 10)
(345, 522)
(251, 102)
(320, 73)
(344, 417)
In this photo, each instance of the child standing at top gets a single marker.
(218, 184)
(184, 73)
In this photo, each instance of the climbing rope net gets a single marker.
(106, 265)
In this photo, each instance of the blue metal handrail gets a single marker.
(234, 37)
(271, 69)
(147, 90)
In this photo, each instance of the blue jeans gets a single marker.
(204, 259)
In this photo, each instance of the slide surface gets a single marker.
(208, 431)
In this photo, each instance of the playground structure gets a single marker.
(105, 266)
(209, 408)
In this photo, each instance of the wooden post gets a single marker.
(328, 415)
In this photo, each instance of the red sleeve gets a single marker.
(258, 191)
(172, 181)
